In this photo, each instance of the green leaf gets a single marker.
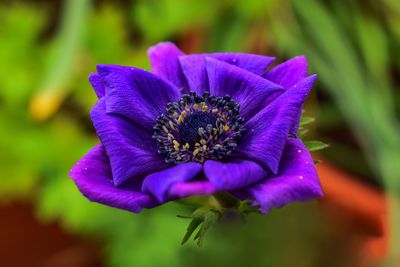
(184, 216)
(306, 120)
(315, 145)
(60, 62)
(203, 217)
(194, 224)
(303, 132)
(159, 20)
(211, 218)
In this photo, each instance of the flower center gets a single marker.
(197, 128)
(189, 129)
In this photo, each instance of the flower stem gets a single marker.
(226, 200)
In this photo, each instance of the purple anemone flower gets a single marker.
(196, 125)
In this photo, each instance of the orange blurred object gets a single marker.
(25, 241)
(359, 208)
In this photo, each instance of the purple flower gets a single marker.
(198, 124)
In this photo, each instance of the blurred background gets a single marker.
(47, 50)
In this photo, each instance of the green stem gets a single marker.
(226, 200)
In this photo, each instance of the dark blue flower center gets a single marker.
(196, 128)
(189, 129)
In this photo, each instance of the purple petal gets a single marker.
(164, 63)
(136, 94)
(297, 180)
(194, 66)
(233, 175)
(267, 131)
(303, 85)
(159, 183)
(253, 63)
(131, 149)
(289, 72)
(192, 188)
(92, 175)
(251, 91)
(97, 84)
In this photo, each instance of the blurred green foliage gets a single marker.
(354, 62)
(45, 100)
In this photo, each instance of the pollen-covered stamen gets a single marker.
(189, 128)
(197, 128)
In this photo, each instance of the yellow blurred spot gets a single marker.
(44, 104)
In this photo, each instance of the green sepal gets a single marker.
(315, 145)
(203, 219)
(211, 218)
(245, 207)
(194, 224)
(302, 132)
(306, 120)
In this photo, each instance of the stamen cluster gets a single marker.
(197, 128)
